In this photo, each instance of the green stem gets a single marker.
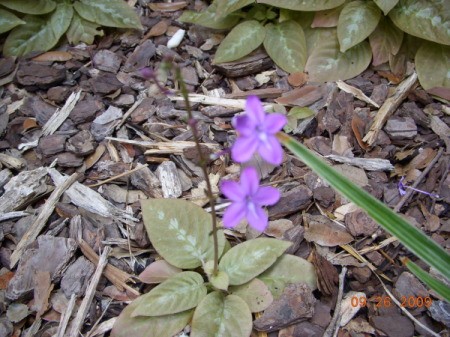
(209, 192)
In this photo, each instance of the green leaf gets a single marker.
(385, 40)
(430, 281)
(247, 260)
(358, 19)
(386, 5)
(109, 13)
(255, 293)
(304, 19)
(241, 41)
(225, 7)
(327, 63)
(222, 316)
(34, 7)
(429, 20)
(294, 115)
(161, 326)
(286, 45)
(433, 65)
(304, 5)
(81, 30)
(179, 293)
(410, 236)
(39, 33)
(209, 18)
(180, 231)
(8, 21)
(220, 281)
(289, 269)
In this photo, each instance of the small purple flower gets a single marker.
(247, 200)
(402, 189)
(257, 132)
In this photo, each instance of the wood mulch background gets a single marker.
(83, 137)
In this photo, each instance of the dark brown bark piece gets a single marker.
(254, 63)
(52, 144)
(107, 60)
(81, 144)
(76, 277)
(394, 325)
(140, 58)
(290, 202)
(36, 75)
(67, 159)
(7, 65)
(85, 111)
(105, 83)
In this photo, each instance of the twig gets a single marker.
(42, 218)
(66, 316)
(333, 326)
(418, 181)
(124, 174)
(89, 296)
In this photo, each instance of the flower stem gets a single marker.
(209, 193)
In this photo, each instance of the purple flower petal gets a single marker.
(243, 148)
(266, 196)
(234, 214)
(232, 190)
(254, 109)
(274, 122)
(257, 218)
(243, 125)
(249, 181)
(271, 150)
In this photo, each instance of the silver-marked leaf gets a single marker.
(209, 18)
(40, 33)
(289, 269)
(304, 19)
(161, 326)
(180, 231)
(429, 20)
(433, 65)
(327, 63)
(358, 19)
(247, 260)
(286, 45)
(110, 13)
(385, 40)
(327, 18)
(81, 30)
(225, 7)
(304, 5)
(386, 5)
(8, 21)
(35, 7)
(220, 280)
(179, 293)
(241, 41)
(255, 293)
(220, 315)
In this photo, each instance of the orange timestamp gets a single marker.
(386, 301)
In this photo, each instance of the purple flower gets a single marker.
(257, 133)
(247, 200)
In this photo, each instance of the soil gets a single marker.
(84, 136)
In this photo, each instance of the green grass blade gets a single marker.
(411, 237)
(431, 282)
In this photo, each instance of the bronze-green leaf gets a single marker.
(241, 41)
(255, 293)
(81, 30)
(289, 269)
(327, 63)
(40, 33)
(358, 19)
(433, 65)
(304, 5)
(286, 45)
(180, 231)
(220, 315)
(428, 20)
(8, 21)
(178, 293)
(110, 13)
(34, 7)
(384, 41)
(386, 5)
(225, 7)
(161, 326)
(209, 18)
(247, 260)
